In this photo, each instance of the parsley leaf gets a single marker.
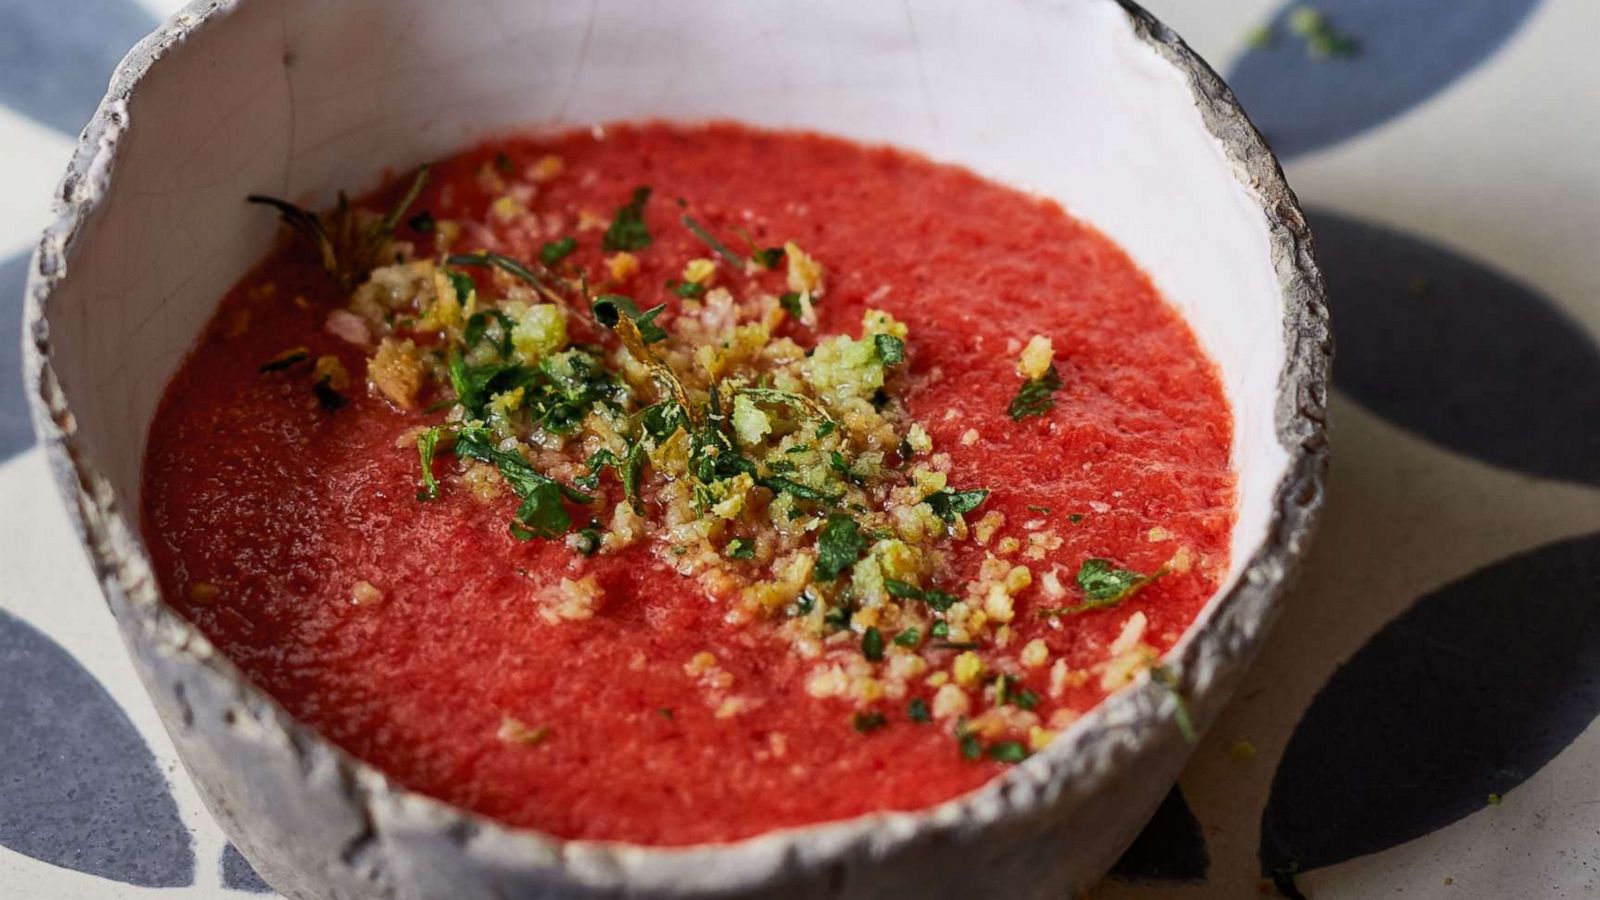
(1036, 396)
(909, 637)
(1008, 752)
(768, 257)
(838, 546)
(891, 350)
(628, 230)
(541, 513)
(872, 644)
(1104, 586)
(609, 307)
(427, 443)
(553, 252)
(780, 485)
(917, 710)
(951, 505)
(790, 301)
(478, 326)
(938, 600)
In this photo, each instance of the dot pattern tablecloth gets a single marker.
(1424, 719)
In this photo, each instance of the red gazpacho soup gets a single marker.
(673, 484)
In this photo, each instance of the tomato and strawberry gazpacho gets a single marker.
(673, 484)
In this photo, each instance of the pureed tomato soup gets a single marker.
(671, 485)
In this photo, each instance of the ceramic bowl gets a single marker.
(1091, 102)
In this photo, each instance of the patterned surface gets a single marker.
(1424, 718)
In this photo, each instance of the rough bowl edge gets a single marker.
(1206, 663)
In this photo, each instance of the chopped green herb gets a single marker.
(478, 326)
(1036, 396)
(1104, 586)
(891, 350)
(688, 290)
(553, 252)
(826, 428)
(917, 710)
(872, 644)
(790, 301)
(939, 629)
(588, 539)
(951, 505)
(739, 548)
(286, 360)
(628, 230)
(608, 307)
(1075, 518)
(866, 722)
(462, 284)
(542, 513)
(768, 257)
(427, 442)
(937, 600)
(780, 485)
(838, 546)
(1008, 752)
(908, 637)
(971, 747)
(422, 222)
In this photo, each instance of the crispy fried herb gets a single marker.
(838, 546)
(347, 253)
(891, 350)
(285, 360)
(917, 710)
(1008, 752)
(872, 644)
(739, 548)
(660, 420)
(866, 722)
(908, 637)
(628, 230)
(551, 253)
(1036, 396)
(826, 428)
(542, 512)
(427, 443)
(609, 308)
(1168, 679)
(488, 260)
(951, 505)
(422, 222)
(710, 240)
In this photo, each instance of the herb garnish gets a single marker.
(908, 637)
(872, 644)
(422, 222)
(838, 546)
(542, 513)
(1036, 396)
(553, 252)
(1104, 586)
(891, 350)
(951, 505)
(937, 600)
(427, 442)
(628, 230)
(711, 241)
(917, 710)
(1008, 752)
(768, 257)
(739, 548)
(347, 253)
(609, 307)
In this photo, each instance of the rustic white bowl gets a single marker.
(1091, 102)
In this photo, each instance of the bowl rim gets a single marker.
(1198, 673)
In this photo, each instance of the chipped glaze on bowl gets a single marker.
(1092, 102)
